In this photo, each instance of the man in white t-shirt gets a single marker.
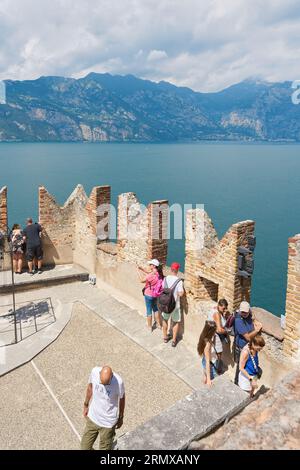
(103, 408)
(175, 316)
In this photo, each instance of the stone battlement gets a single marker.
(79, 233)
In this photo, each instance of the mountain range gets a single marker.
(104, 107)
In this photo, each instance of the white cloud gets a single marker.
(155, 55)
(206, 45)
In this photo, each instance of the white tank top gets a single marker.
(210, 317)
(213, 353)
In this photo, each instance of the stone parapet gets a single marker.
(3, 209)
(142, 232)
(70, 232)
(211, 268)
(5, 261)
(292, 312)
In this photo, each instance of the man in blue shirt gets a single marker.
(245, 329)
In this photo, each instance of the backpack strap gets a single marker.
(175, 284)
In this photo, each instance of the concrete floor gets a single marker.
(32, 419)
(48, 274)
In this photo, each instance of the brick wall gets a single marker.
(3, 209)
(292, 314)
(158, 220)
(70, 232)
(5, 261)
(211, 264)
(142, 232)
(87, 220)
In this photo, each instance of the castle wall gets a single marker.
(292, 314)
(3, 209)
(78, 233)
(211, 269)
(87, 220)
(5, 263)
(70, 232)
(142, 235)
(142, 232)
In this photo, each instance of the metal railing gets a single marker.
(5, 242)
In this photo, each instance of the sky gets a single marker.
(206, 45)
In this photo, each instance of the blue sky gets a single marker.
(204, 44)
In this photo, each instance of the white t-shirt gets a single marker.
(104, 407)
(169, 281)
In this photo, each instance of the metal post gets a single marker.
(13, 287)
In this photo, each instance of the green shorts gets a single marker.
(175, 315)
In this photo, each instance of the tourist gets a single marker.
(206, 349)
(17, 246)
(103, 408)
(218, 315)
(32, 237)
(245, 329)
(250, 371)
(153, 281)
(175, 286)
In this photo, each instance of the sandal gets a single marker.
(174, 344)
(166, 340)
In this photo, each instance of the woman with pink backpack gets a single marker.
(152, 290)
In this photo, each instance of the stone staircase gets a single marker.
(188, 419)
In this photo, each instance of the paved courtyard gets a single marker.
(42, 400)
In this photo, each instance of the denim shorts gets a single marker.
(213, 372)
(151, 305)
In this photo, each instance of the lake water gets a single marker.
(235, 182)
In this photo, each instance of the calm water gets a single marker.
(234, 181)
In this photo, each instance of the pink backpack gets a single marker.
(156, 290)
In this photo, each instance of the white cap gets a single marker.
(155, 262)
(245, 307)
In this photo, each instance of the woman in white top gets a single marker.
(206, 348)
(218, 315)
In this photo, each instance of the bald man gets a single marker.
(103, 408)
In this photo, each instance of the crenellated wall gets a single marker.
(142, 232)
(142, 235)
(292, 311)
(78, 232)
(70, 232)
(5, 261)
(3, 209)
(211, 265)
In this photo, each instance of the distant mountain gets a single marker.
(103, 107)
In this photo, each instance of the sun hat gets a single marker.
(154, 262)
(245, 307)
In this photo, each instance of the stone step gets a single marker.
(189, 419)
(50, 276)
